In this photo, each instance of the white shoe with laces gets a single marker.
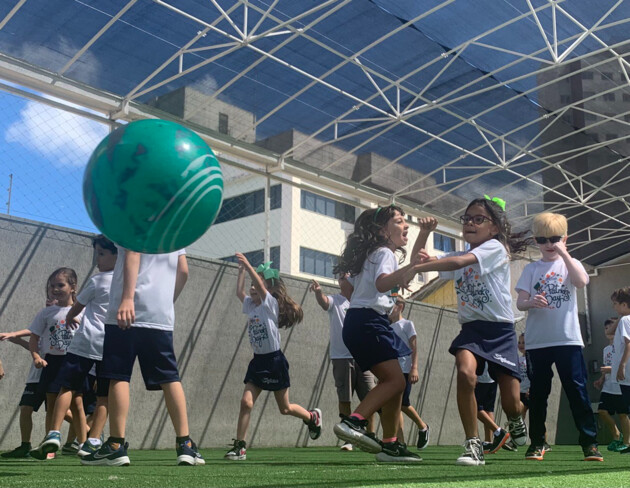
(518, 430)
(473, 453)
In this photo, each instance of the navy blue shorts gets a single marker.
(486, 396)
(74, 375)
(405, 401)
(32, 397)
(370, 339)
(153, 347)
(491, 342)
(269, 371)
(613, 404)
(48, 380)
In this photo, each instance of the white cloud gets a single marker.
(63, 138)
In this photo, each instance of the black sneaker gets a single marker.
(473, 453)
(397, 452)
(591, 453)
(188, 454)
(238, 451)
(535, 453)
(19, 452)
(546, 447)
(315, 424)
(518, 430)
(498, 441)
(353, 430)
(423, 438)
(510, 446)
(110, 454)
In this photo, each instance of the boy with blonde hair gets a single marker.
(547, 289)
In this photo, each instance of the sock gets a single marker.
(115, 440)
(497, 432)
(182, 439)
(389, 440)
(358, 416)
(422, 430)
(94, 441)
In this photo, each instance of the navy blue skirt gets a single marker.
(269, 371)
(491, 342)
(370, 339)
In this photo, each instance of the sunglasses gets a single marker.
(552, 239)
(475, 219)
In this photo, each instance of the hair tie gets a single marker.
(268, 272)
(378, 209)
(498, 201)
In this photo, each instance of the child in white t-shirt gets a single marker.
(347, 374)
(84, 353)
(139, 323)
(268, 307)
(409, 364)
(611, 399)
(547, 290)
(621, 349)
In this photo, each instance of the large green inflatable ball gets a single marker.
(153, 186)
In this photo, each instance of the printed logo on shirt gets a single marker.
(553, 287)
(60, 336)
(608, 359)
(257, 331)
(471, 290)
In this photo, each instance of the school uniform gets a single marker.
(485, 309)
(405, 330)
(619, 344)
(611, 398)
(32, 396)
(486, 391)
(269, 369)
(366, 330)
(150, 337)
(552, 335)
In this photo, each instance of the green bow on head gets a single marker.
(268, 272)
(498, 201)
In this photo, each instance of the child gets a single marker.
(547, 289)
(346, 372)
(621, 348)
(409, 365)
(369, 257)
(522, 364)
(611, 400)
(486, 396)
(85, 351)
(482, 283)
(268, 307)
(139, 322)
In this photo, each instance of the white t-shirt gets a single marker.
(557, 324)
(610, 382)
(50, 325)
(405, 330)
(155, 287)
(619, 344)
(337, 308)
(483, 288)
(88, 339)
(365, 295)
(262, 324)
(522, 366)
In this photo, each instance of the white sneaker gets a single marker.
(347, 446)
(473, 453)
(518, 430)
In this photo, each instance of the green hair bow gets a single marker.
(498, 201)
(268, 272)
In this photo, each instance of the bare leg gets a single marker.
(118, 407)
(287, 408)
(387, 396)
(250, 394)
(345, 408)
(610, 423)
(510, 395)
(26, 423)
(78, 421)
(62, 404)
(99, 417)
(466, 364)
(624, 422)
(176, 405)
(50, 399)
(487, 419)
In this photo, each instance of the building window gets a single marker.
(607, 76)
(327, 206)
(249, 204)
(587, 75)
(317, 262)
(257, 257)
(223, 123)
(626, 97)
(409, 218)
(443, 243)
(609, 97)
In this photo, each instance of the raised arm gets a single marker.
(577, 275)
(126, 311)
(181, 277)
(450, 263)
(322, 299)
(427, 225)
(257, 281)
(14, 336)
(240, 283)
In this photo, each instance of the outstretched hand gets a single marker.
(428, 223)
(315, 286)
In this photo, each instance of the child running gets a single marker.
(409, 365)
(486, 396)
(621, 349)
(370, 260)
(85, 351)
(268, 307)
(482, 283)
(139, 322)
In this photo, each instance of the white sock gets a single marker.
(497, 432)
(54, 432)
(94, 441)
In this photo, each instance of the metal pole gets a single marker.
(10, 188)
(267, 218)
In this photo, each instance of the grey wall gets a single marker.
(213, 352)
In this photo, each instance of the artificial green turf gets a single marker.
(321, 467)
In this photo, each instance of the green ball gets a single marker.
(153, 186)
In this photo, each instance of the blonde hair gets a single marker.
(549, 224)
(290, 313)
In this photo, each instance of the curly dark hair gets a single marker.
(514, 243)
(365, 239)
